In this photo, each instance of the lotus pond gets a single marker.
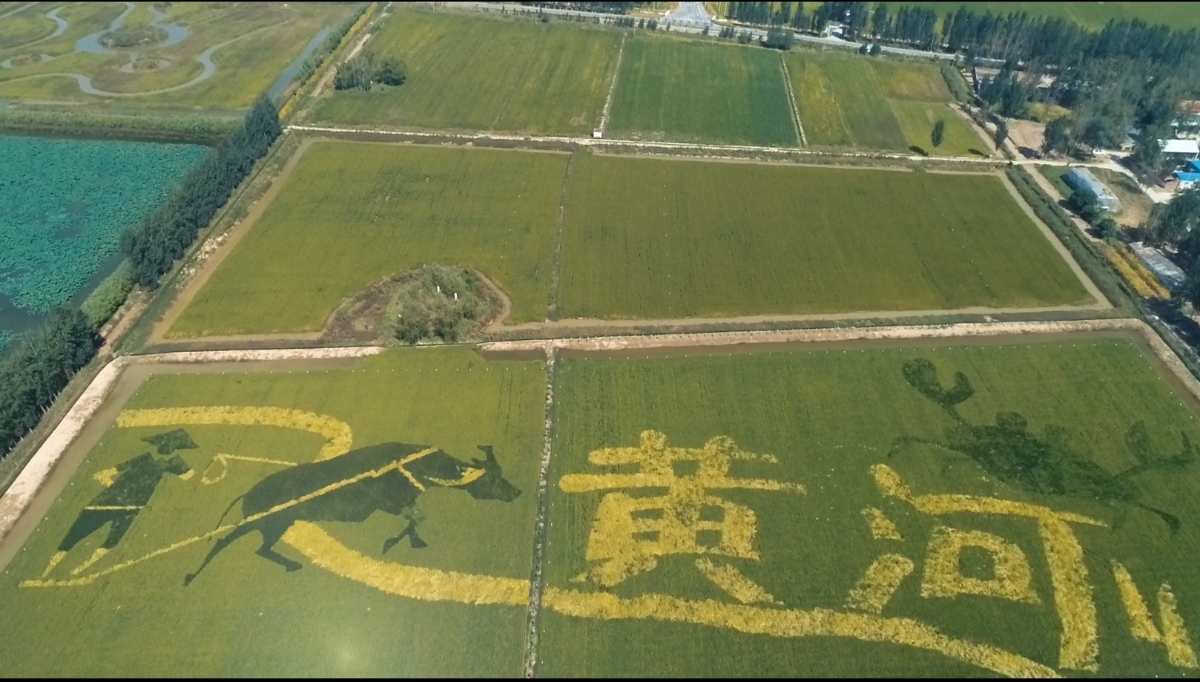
(63, 206)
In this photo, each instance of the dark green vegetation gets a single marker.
(159, 239)
(673, 239)
(533, 77)
(38, 368)
(177, 127)
(829, 416)
(687, 90)
(447, 303)
(244, 614)
(1046, 465)
(106, 298)
(351, 214)
(135, 36)
(365, 70)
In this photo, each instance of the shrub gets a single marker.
(109, 296)
(440, 302)
(359, 73)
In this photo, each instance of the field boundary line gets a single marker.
(787, 82)
(434, 137)
(537, 577)
(612, 87)
(556, 258)
(830, 334)
(17, 499)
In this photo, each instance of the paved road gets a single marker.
(686, 19)
(691, 14)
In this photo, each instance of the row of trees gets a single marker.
(600, 7)
(158, 240)
(359, 73)
(39, 368)
(34, 373)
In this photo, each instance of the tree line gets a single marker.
(34, 372)
(159, 239)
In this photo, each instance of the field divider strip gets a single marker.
(787, 82)
(435, 137)
(537, 577)
(612, 88)
(552, 312)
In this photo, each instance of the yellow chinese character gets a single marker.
(631, 532)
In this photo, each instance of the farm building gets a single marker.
(1187, 149)
(1082, 180)
(1187, 180)
(1167, 273)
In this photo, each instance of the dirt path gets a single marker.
(1087, 282)
(612, 88)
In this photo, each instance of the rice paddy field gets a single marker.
(672, 239)
(862, 511)
(641, 238)
(532, 77)
(210, 56)
(69, 610)
(63, 207)
(850, 101)
(351, 214)
(695, 91)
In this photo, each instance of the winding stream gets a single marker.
(90, 44)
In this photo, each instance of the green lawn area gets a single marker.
(1090, 15)
(874, 103)
(1054, 175)
(262, 40)
(671, 239)
(481, 72)
(245, 616)
(831, 417)
(351, 214)
(696, 91)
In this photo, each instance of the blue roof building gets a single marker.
(1193, 166)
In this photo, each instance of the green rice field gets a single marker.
(875, 103)
(531, 78)
(913, 548)
(693, 91)
(129, 613)
(63, 208)
(642, 238)
(672, 239)
(351, 214)
(249, 44)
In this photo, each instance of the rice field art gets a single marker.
(334, 520)
(933, 520)
(63, 206)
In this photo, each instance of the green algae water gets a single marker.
(64, 204)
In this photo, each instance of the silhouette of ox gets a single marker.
(387, 477)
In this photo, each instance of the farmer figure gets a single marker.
(631, 532)
(128, 488)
